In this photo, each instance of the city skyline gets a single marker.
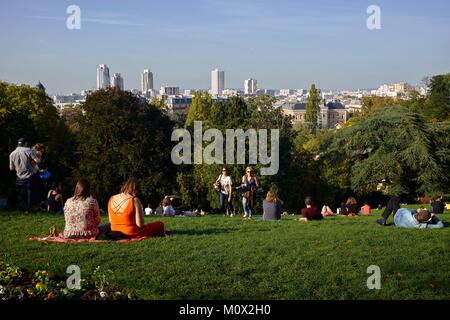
(286, 44)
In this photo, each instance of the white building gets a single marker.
(287, 92)
(269, 92)
(103, 77)
(178, 104)
(217, 82)
(117, 81)
(250, 86)
(230, 93)
(169, 91)
(393, 90)
(354, 105)
(146, 81)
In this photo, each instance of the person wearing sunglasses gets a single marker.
(249, 185)
(224, 186)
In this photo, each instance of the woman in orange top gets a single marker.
(127, 216)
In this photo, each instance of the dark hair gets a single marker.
(82, 190)
(423, 215)
(129, 187)
(55, 186)
(21, 142)
(308, 201)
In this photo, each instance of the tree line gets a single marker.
(391, 147)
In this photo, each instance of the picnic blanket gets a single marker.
(66, 240)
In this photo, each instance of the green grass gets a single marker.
(226, 258)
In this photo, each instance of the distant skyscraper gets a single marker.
(102, 77)
(146, 81)
(217, 82)
(117, 81)
(250, 86)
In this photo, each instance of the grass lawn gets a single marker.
(215, 257)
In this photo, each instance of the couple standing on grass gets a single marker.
(224, 186)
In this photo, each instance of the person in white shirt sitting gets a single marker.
(168, 210)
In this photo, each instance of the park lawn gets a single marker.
(216, 257)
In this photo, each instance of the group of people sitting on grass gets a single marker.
(311, 212)
(125, 213)
(403, 217)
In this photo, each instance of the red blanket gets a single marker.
(64, 240)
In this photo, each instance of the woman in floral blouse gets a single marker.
(81, 213)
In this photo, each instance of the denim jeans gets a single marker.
(30, 186)
(247, 210)
(225, 206)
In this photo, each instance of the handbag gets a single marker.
(217, 185)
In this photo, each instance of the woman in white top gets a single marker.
(225, 193)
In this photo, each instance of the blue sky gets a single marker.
(282, 44)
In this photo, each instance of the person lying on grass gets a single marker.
(420, 219)
(310, 212)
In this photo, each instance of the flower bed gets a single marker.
(17, 284)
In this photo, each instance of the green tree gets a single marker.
(158, 103)
(313, 109)
(393, 149)
(72, 115)
(437, 105)
(372, 104)
(415, 103)
(28, 112)
(123, 137)
(196, 112)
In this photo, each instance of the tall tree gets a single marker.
(393, 150)
(313, 109)
(437, 106)
(123, 137)
(195, 112)
(29, 113)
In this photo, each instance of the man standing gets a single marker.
(20, 160)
